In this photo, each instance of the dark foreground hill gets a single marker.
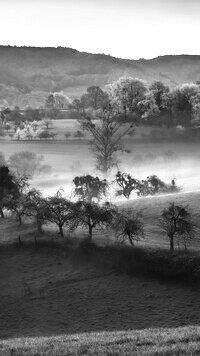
(28, 74)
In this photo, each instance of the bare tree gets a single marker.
(59, 211)
(107, 133)
(128, 226)
(176, 222)
(92, 215)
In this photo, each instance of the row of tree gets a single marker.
(87, 212)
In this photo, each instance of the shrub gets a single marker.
(79, 134)
(67, 135)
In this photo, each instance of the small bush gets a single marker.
(79, 134)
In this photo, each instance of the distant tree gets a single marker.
(67, 135)
(47, 123)
(59, 211)
(148, 107)
(53, 135)
(176, 222)
(88, 187)
(50, 101)
(95, 98)
(16, 115)
(159, 90)
(125, 95)
(126, 184)
(46, 135)
(195, 123)
(107, 133)
(128, 226)
(57, 101)
(92, 215)
(25, 163)
(77, 105)
(79, 134)
(183, 99)
(8, 127)
(5, 114)
(150, 186)
(154, 185)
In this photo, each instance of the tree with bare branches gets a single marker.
(107, 131)
(176, 222)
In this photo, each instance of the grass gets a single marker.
(52, 289)
(149, 342)
(60, 299)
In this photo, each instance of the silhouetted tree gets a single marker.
(92, 215)
(176, 221)
(59, 211)
(128, 225)
(25, 163)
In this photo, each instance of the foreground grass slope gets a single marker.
(56, 289)
(51, 290)
(151, 342)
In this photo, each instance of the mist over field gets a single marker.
(67, 160)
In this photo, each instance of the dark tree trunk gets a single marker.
(39, 226)
(90, 233)
(19, 219)
(2, 213)
(61, 231)
(171, 243)
(130, 239)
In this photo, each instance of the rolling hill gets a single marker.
(28, 74)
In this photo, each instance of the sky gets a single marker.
(122, 28)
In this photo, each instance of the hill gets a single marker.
(28, 74)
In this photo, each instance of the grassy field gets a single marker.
(48, 291)
(151, 342)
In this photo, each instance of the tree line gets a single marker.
(152, 104)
